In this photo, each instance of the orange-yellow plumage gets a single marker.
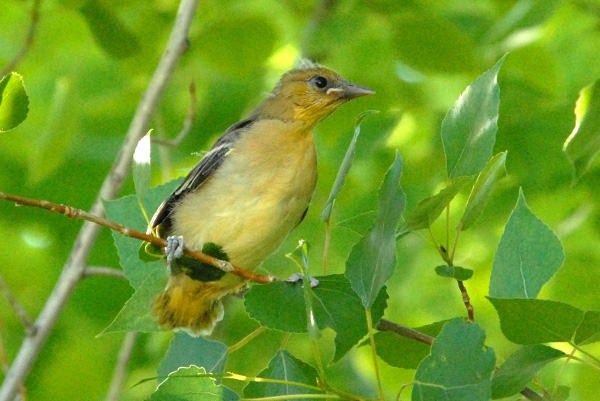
(248, 192)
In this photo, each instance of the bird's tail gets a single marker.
(191, 305)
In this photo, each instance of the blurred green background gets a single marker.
(91, 61)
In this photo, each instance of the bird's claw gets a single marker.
(298, 278)
(174, 249)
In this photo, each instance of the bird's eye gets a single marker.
(320, 82)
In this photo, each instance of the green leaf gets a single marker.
(403, 352)
(187, 384)
(583, 145)
(528, 255)
(109, 32)
(186, 350)
(136, 314)
(281, 306)
(536, 321)
(300, 256)
(344, 167)
(459, 367)
(14, 102)
(126, 211)
(372, 260)
(469, 128)
(284, 366)
(141, 166)
(589, 330)
(562, 393)
(459, 273)
(520, 368)
(429, 209)
(482, 191)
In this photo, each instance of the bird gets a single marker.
(246, 194)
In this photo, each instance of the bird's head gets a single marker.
(309, 94)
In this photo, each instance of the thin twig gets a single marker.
(120, 372)
(466, 300)
(111, 186)
(74, 213)
(16, 306)
(103, 271)
(28, 42)
(187, 123)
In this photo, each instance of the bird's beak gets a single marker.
(351, 90)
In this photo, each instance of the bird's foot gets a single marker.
(298, 278)
(174, 249)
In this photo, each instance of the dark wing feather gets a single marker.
(203, 170)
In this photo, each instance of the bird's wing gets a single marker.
(203, 170)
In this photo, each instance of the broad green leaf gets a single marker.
(141, 167)
(56, 139)
(482, 191)
(459, 367)
(403, 352)
(528, 255)
(136, 314)
(429, 209)
(469, 128)
(109, 32)
(583, 145)
(281, 306)
(372, 260)
(14, 102)
(459, 273)
(520, 368)
(562, 393)
(300, 256)
(186, 350)
(344, 167)
(188, 384)
(284, 366)
(589, 330)
(536, 321)
(127, 211)
(432, 44)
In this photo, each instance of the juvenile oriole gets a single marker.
(248, 192)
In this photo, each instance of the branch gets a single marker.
(80, 214)
(103, 271)
(28, 42)
(111, 186)
(466, 300)
(19, 311)
(116, 384)
(187, 123)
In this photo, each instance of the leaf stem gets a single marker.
(448, 226)
(405, 385)
(318, 359)
(578, 348)
(374, 351)
(247, 339)
(466, 300)
(326, 246)
(562, 368)
(293, 397)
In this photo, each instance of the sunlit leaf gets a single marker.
(14, 102)
(528, 255)
(136, 314)
(520, 368)
(141, 167)
(373, 258)
(469, 128)
(284, 366)
(344, 167)
(403, 352)
(459, 367)
(187, 384)
(281, 306)
(589, 330)
(583, 145)
(536, 321)
(429, 209)
(186, 350)
(482, 191)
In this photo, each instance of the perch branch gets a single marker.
(76, 264)
(81, 214)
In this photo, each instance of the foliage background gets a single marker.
(91, 60)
